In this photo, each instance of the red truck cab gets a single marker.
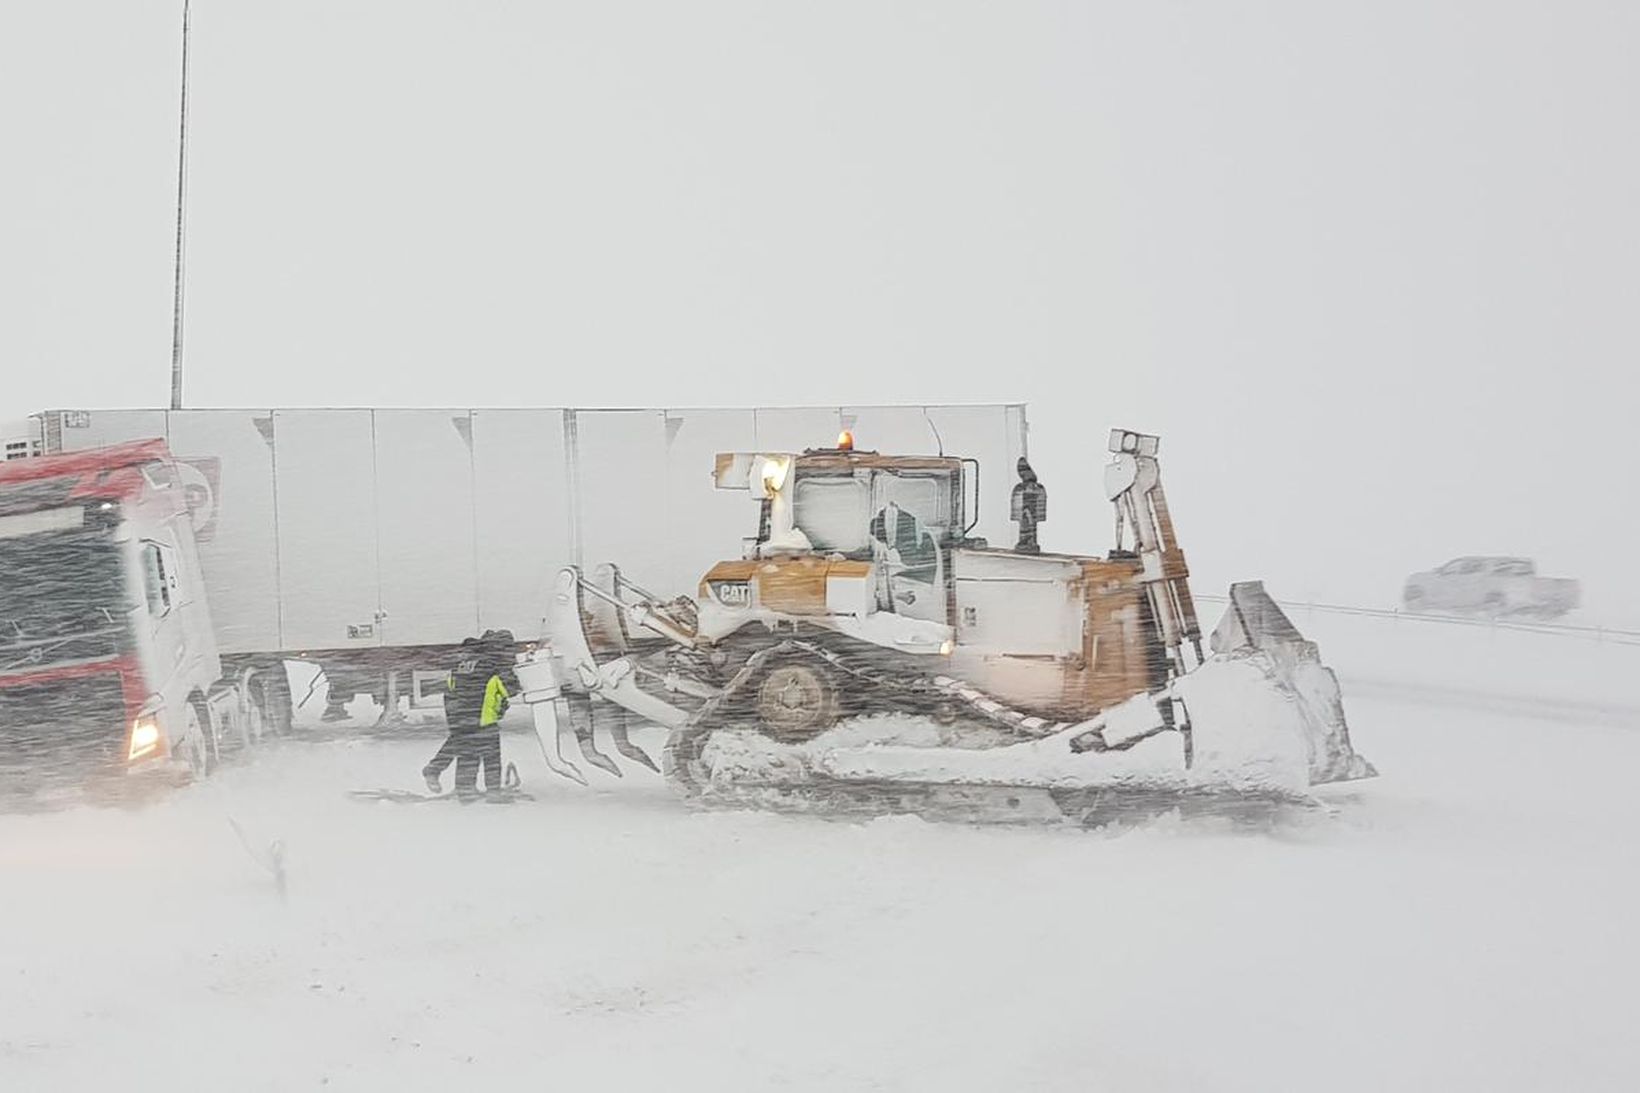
(107, 656)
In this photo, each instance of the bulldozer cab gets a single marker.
(903, 514)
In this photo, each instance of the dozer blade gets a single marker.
(546, 733)
(621, 722)
(582, 722)
(1254, 624)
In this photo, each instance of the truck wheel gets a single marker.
(256, 726)
(796, 701)
(270, 695)
(196, 748)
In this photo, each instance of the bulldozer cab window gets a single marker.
(925, 497)
(911, 515)
(842, 514)
(832, 511)
(900, 531)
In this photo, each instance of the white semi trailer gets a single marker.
(366, 541)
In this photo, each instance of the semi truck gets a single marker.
(160, 568)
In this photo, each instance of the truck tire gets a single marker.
(240, 729)
(796, 699)
(196, 745)
(256, 728)
(270, 694)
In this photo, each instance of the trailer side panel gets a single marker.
(521, 500)
(231, 453)
(343, 529)
(324, 473)
(425, 526)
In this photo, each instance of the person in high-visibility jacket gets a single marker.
(499, 687)
(475, 700)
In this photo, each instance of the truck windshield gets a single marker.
(61, 597)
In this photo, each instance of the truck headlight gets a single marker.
(145, 737)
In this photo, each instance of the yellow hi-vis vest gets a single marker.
(495, 702)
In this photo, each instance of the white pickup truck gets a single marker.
(1490, 588)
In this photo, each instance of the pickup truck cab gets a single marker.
(1490, 587)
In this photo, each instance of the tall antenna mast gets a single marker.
(182, 191)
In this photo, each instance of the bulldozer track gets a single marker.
(919, 695)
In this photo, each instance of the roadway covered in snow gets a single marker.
(1465, 921)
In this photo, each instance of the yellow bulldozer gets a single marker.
(867, 653)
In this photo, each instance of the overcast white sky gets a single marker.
(1372, 269)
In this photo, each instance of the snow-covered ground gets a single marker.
(1466, 921)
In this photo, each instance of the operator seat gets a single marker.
(895, 529)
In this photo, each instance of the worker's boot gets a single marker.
(430, 776)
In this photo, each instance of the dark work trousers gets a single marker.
(487, 755)
(479, 750)
(449, 752)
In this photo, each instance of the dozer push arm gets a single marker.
(632, 606)
(1133, 482)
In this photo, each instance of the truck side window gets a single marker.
(155, 580)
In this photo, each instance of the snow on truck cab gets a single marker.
(108, 665)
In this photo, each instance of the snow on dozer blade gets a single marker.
(1255, 627)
